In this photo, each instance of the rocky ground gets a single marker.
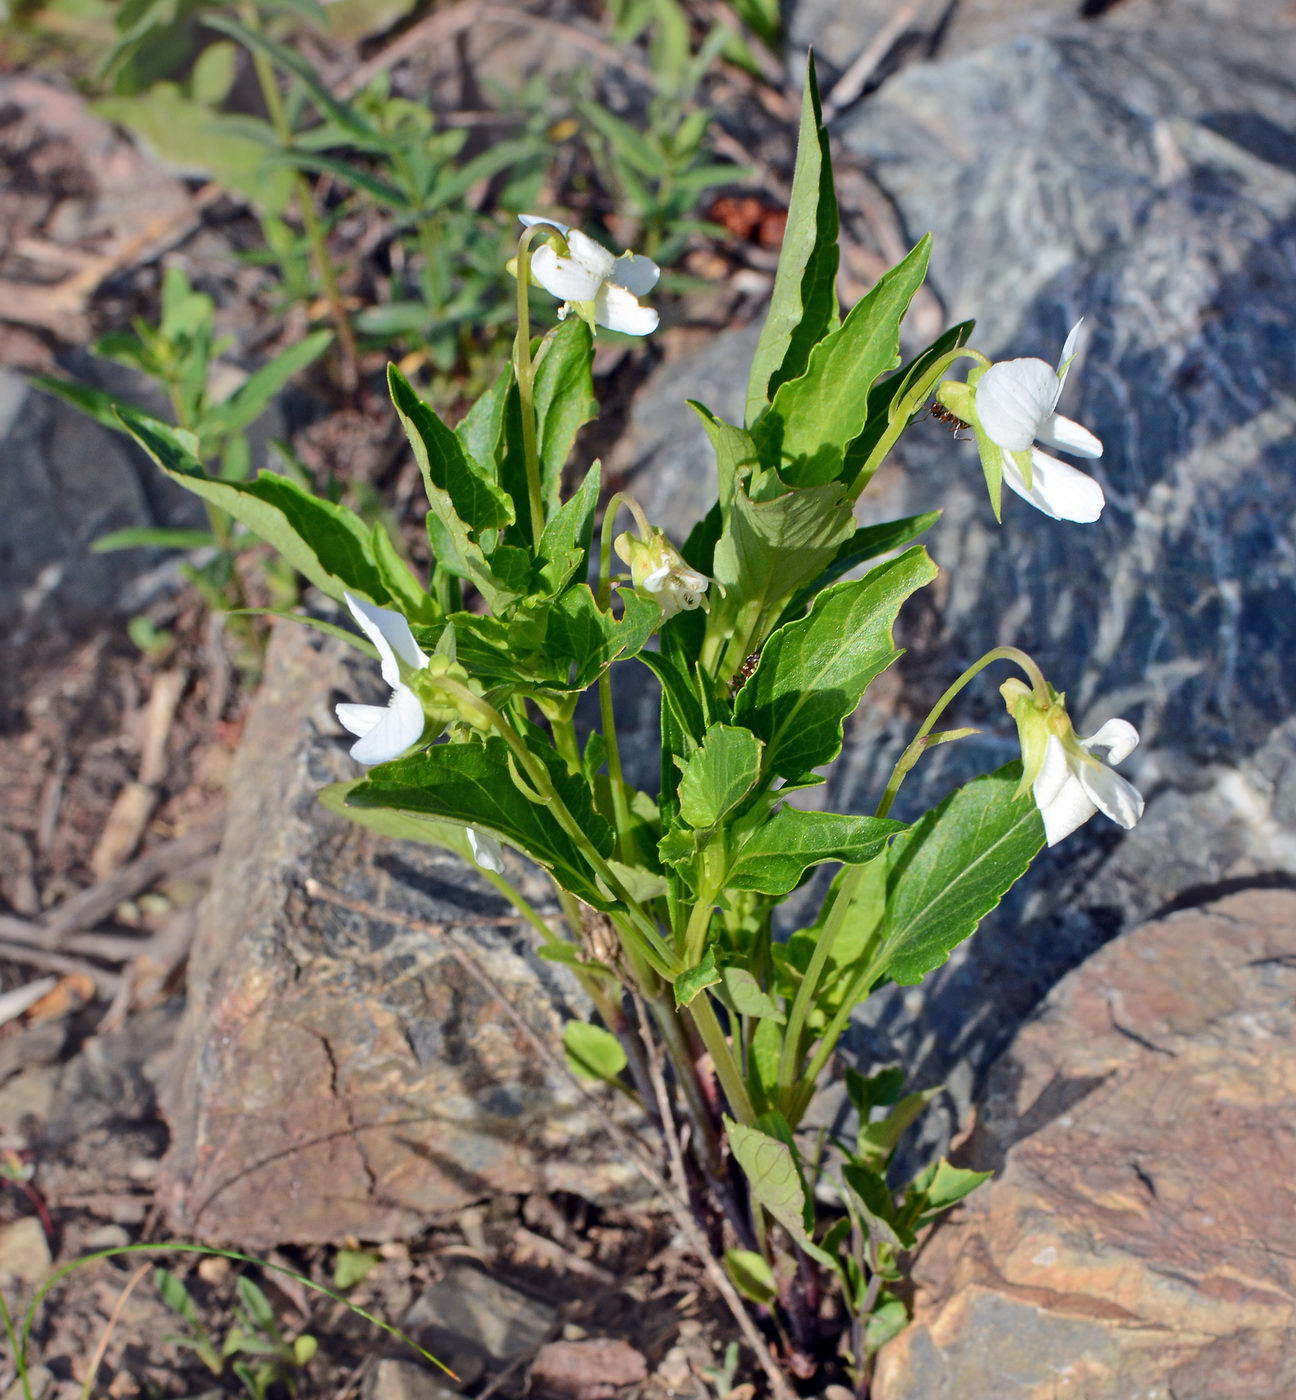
(209, 1033)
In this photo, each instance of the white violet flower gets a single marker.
(385, 732)
(603, 289)
(658, 569)
(1069, 781)
(1011, 406)
(1016, 406)
(486, 850)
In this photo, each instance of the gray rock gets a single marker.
(404, 1380)
(336, 1074)
(24, 1255)
(1146, 180)
(470, 1310)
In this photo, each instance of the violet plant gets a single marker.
(762, 641)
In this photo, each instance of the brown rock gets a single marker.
(1140, 1237)
(336, 1075)
(594, 1369)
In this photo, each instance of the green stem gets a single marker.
(524, 373)
(306, 202)
(803, 1002)
(519, 901)
(916, 746)
(900, 414)
(726, 1067)
(656, 950)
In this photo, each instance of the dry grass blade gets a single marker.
(109, 1327)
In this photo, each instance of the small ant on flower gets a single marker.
(941, 414)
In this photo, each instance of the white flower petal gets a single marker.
(618, 310)
(1013, 398)
(636, 273)
(1069, 436)
(486, 850)
(360, 719)
(653, 581)
(391, 634)
(1069, 351)
(1060, 490)
(530, 220)
(1111, 794)
(591, 255)
(400, 726)
(566, 278)
(1117, 736)
(1054, 773)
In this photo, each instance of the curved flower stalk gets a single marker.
(1069, 780)
(1012, 406)
(602, 289)
(385, 732)
(658, 569)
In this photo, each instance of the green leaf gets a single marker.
(803, 305)
(353, 1266)
(592, 1052)
(94, 403)
(943, 1186)
(450, 476)
(402, 587)
(247, 402)
(818, 414)
(464, 500)
(150, 537)
(565, 540)
(745, 995)
(771, 1168)
(951, 868)
(868, 542)
(198, 141)
(682, 701)
(212, 75)
(473, 784)
(587, 640)
(873, 1200)
(304, 1348)
(327, 543)
(888, 1319)
(689, 984)
(877, 1141)
(813, 672)
(479, 429)
(404, 826)
(253, 1298)
(717, 777)
(774, 857)
(291, 62)
(175, 1295)
(564, 400)
(883, 397)
(751, 1275)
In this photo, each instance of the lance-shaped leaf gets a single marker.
(952, 868)
(464, 500)
(473, 784)
(774, 857)
(327, 543)
(249, 400)
(813, 672)
(689, 983)
(751, 1274)
(803, 306)
(818, 414)
(718, 775)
